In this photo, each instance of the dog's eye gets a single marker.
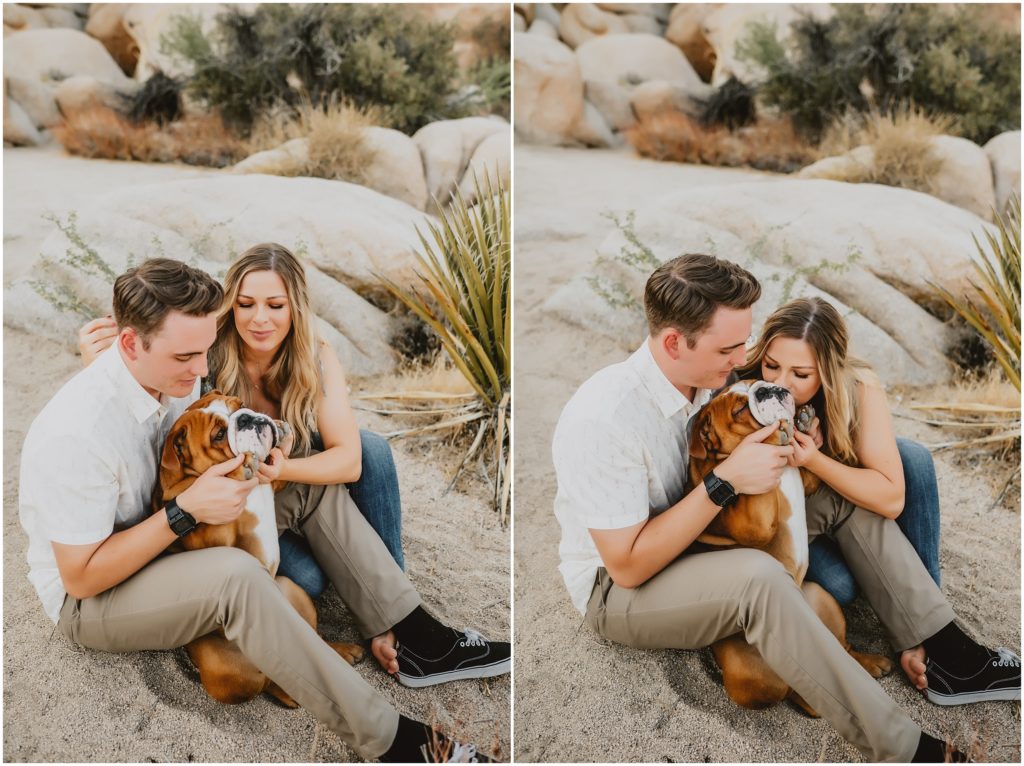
(219, 436)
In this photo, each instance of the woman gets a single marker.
(851, 446)
(267, 354)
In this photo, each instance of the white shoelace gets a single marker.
(1007, 659)
(462, 753)
(472, 638)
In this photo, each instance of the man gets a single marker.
(620, 452)
(88, 468)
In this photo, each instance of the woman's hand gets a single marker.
(815, 433)
(805, 449)
(95, 337)
(270, 470)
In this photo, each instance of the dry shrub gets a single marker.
(104, 134)
(902, 144)
(766, 145)
(337, 147)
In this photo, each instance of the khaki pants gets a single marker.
(182, 596)
(700, 598)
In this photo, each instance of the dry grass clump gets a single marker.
(766, 145)
(337, 148)
(102, 133)
(901, 148)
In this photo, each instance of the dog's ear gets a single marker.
(176, 452)
(697, 447)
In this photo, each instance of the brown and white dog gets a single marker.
(774, 522)
(212, 430)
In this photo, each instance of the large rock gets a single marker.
(19, 129)
(580, 22)
(446, 147)
(548, 94)
(544, 28)
(655, 97)
(965, 179)
(1003, 153)
(106, 24)
(349, 234)
(641, 23)
(798, 235)
(18, 18)
(686, 30)
(288, 159)
(83, 93)
(397, 167)
(52, 55)
(494, 157)
(593, 130)
(630, 59)
(612, 101)
(36, 99)
(59, 16)
(548, 13)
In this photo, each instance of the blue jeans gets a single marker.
(377, 497)
(919, 522)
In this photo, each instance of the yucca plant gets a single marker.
(464, 295)
(992, 307)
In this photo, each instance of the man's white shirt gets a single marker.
(89, 465)
(620, 452)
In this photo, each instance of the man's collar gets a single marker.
(138, 401)
(667, 397)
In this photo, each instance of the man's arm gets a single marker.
(87, 570)
(633, 555)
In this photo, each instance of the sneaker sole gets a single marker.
(481, 671)
(966, 698)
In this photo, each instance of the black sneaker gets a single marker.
(445, 750)
(997, 679)
(469, 655)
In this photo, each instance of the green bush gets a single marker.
(283, 54)
(940, 58)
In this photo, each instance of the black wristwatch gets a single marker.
(719, 490)
(181, 521)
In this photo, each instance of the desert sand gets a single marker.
(581, 698)
(63, 703)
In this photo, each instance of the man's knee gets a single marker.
(233, 566)
(762, 571)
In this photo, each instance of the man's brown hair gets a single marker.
(684, 293)
(145, 294)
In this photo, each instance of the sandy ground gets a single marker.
(62, 703)
(581, 698)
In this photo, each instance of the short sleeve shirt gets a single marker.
(620, 451)
(89, 465)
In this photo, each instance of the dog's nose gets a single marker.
(244, 421)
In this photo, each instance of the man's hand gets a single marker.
(95, 337)
(754, 467)
(214, 498)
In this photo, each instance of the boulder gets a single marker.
(1003, 153)
(481, 29)
(348, 235)
(580, 22)
(52, 55)
(106, 24)
(397, 168)
(446, 147)
(19, 129)
(83, 93)
(548, 90)
(658, 11)
(630, 59)
(58, 16)
(655, 97)
(593, 130)
(638, 22)
(494, 157)
(18, 18)
(797, 235)
(612, 101)
(526, 10)
(686, 30)
(288, 159)
(965, 179)
(543, 27)
(548, 13)
(36, 99)
(518, 23)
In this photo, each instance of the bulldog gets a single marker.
(774, 522)
(212, 430)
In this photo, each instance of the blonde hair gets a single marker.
(294, 378)
(817, 323)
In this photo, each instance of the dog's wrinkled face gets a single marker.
(215, 429)
(743, 408)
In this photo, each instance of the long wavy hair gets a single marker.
(817, 323)
(294, 380)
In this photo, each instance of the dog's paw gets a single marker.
(351, 653)
(875, 664)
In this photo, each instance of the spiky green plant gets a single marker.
(992, 304)
(464, 295)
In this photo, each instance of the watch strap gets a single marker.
(181, 522)
(719, 490)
